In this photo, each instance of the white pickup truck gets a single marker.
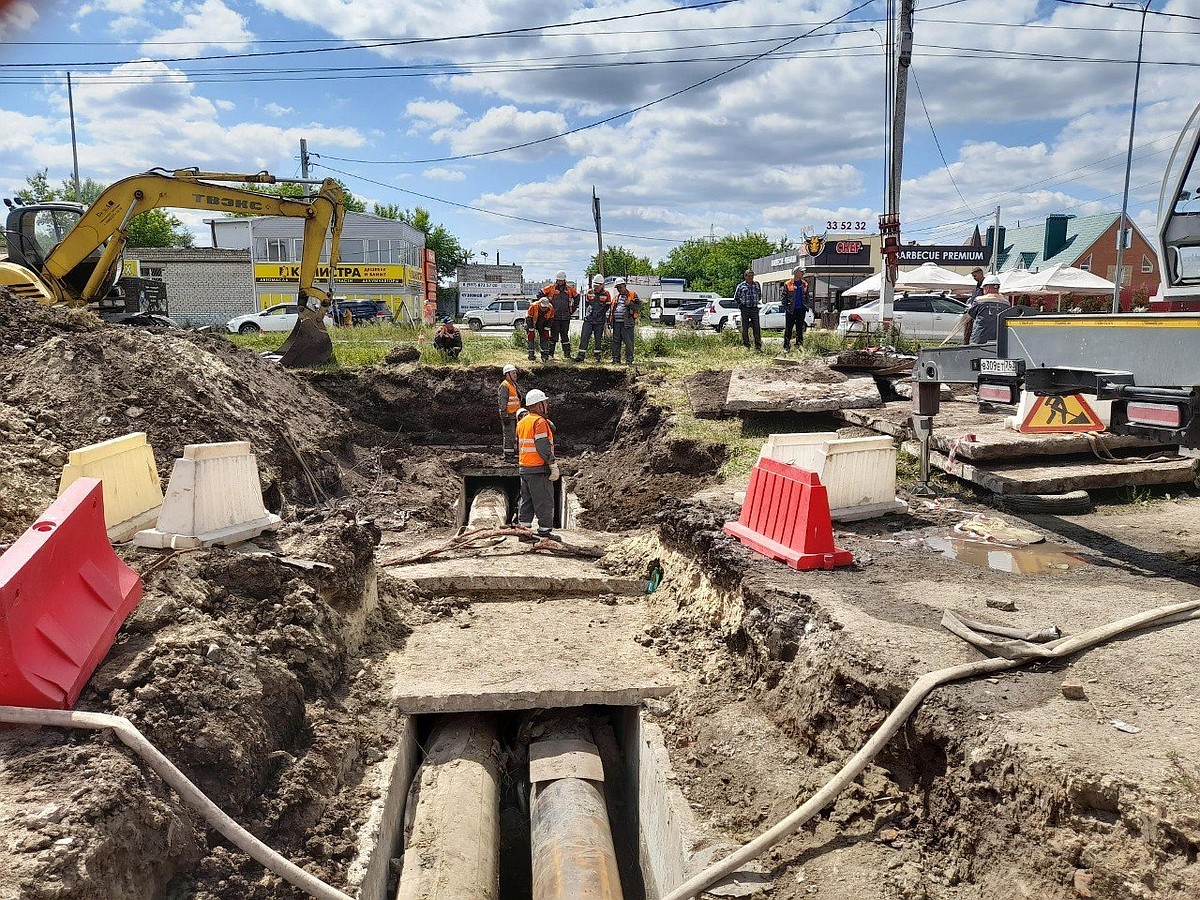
(504, 310)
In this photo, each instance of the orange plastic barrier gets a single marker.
(63, 595)
(786, 517)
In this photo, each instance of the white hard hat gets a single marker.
(509, 368)
(620, 280)
(598, 280)
(560, 275)
(522, 413)
(534, 397)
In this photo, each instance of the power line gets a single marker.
(937, 143)
(614, 116)
(1153, 12)
(492, 212)
(405, 42)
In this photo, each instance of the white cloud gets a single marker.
(439, 173)
(504, 126)
(18, 17)
(433, 112)
(205, 25)
(277, 110)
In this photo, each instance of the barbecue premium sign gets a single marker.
(915, 255)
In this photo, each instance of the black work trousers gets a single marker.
(750, 320)
(537, 499)
(793, 318)
(591, 331)
(560, 330)
(622, 336)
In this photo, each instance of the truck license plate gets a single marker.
(998, 367)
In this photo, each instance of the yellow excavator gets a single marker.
(63, 253)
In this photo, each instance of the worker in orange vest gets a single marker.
(537, 326)
(622, 318)
(510, 403)
(565, 300)
(539, 469)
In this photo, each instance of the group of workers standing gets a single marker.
(529, 441)
(548, 321)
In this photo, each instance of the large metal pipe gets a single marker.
(571, 839)
(452, 834)
(489, 509)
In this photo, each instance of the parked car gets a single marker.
(501, 311)
(144, 320)
(691, 318)
(280, 317)
(363, 312)
(923, 316)
(720, 312)
(772, 317)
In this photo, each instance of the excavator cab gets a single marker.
(34, 230)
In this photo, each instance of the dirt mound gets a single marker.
(643, 468)
(435, 405)
(25, 323)
(76, 389)
(236, 667)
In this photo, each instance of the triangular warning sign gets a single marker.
(1057, 415)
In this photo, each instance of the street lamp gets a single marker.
(1122, 226)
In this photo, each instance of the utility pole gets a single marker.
(74, 148)
(899, 59)
(995, 266)
(1123, 223)
(599, 233)
(303, 158)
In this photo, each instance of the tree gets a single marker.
(716, 265)
(154, 228)
(621, 261)
(448, 252)
(387, 210)
(289, 190)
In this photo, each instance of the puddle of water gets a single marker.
(1040, 559)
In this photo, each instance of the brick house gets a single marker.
(204, 286)
(1085, 242)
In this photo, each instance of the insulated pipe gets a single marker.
(570, 836)
(489, 509)
(1179, 612)
(452, 833)
(192, 795)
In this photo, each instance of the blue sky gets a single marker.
(1029, 101)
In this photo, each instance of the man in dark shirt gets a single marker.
(748, 298)
(977, 274)
(983, 315)
(794, 297)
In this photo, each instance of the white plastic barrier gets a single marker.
(213, 497)
(132, 490)
(858, 473)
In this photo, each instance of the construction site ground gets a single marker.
(271, 683)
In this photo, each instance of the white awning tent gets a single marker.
(1057, 279)
(927, 277)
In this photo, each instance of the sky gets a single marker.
(715, 116)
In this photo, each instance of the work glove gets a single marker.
(554, 473)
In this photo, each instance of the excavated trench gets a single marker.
(260, 679)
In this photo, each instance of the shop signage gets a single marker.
(915, 255)
(345, 272)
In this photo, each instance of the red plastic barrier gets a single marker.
(786, 517)
(63, 595)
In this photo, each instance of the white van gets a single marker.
(665, 305)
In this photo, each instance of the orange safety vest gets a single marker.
(529, 429)
(514, 399)
(631, 314)
(540, 315)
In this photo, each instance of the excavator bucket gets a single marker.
(64, 594)
(309, 343)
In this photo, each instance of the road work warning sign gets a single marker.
(1056, 415)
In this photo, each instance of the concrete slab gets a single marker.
(995, 441)
(894, 418)
(528, 655)
(810, 387)
(504, 576)
(1043, 477)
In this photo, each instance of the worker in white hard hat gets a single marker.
(623, 316)
(539, 469)
(595, 313)
(983, 316)
(565, 300)
(509, 396)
